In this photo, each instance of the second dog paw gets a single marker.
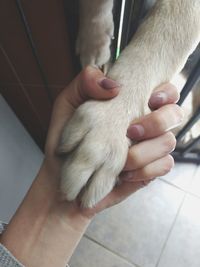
(94, 40)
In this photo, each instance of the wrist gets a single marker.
(72, 209)
(45, 230)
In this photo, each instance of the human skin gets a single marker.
(45, 230)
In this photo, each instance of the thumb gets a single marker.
(91, 84)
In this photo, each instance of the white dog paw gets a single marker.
(94, 39)
(97, 153)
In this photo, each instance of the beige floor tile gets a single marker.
(90, 254)
(138, 227)
(181, 175)
(183, 246)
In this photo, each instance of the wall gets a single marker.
(36, 58)
(20, 159)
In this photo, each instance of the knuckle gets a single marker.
(145, 173)
(167, 164)
(175, 115)
(159, 121)
(134, 158)
(170, 142)
(171, 88)
(176, 92)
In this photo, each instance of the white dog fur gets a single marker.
(95, 137)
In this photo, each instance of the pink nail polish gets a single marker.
(135, 131)
(158, 98)
(108, 84)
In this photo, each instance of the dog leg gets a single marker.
(96, 134)
(96, 30)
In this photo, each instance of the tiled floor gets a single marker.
(96, 255)
(158, 226)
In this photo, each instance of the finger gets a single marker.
(141, 178)
(138, 156)
(156, 123)
(164, 94)
(159, 167)
(145, 176)
(90, 84)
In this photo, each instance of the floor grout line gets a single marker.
(193, 195)
(171, 228)
(178, 187)
(189, 184)
(174, 185)
(111, 251)
(170, 231)
(178, 211)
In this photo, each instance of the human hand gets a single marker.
(153, 132)
(140, 167)
(89, 84)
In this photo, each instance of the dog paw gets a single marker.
(96, 147)
(94, 39)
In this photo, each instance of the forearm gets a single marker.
(44, 231)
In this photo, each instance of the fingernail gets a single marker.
(107, 84)
(127, 176)
(135, 131)
(158, 98)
